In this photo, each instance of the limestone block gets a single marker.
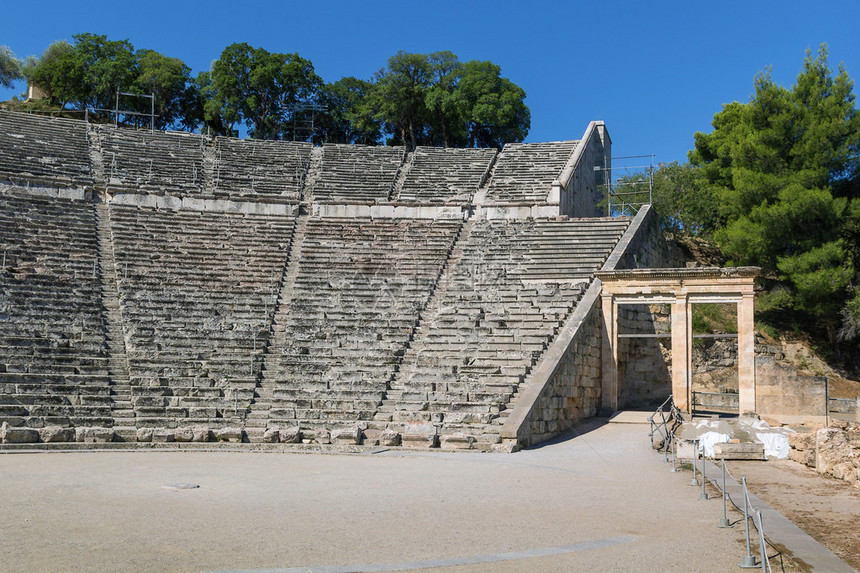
(291, 435)
(232, 435)
(371, 437)
(346, 436)
(389, 438)
(802, 441)
(457, 441)
(183, 435)
(272, 436)
(162, 435)
(322, 436)
(835, 454)
(57, 434)
(144, 434)
(200, 434)
(739, 451)
(94, 435)
(419, 435)
(12, 435)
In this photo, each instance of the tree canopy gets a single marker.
(434, 99)
(260, 89)
(416, 99)
(783, 169)
(10, 67)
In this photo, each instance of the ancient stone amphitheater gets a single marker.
(173, 287)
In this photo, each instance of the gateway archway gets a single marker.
(680, 288)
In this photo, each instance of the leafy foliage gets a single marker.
(89, 72)
(433, 99)
(10, 67)
(258, 87)
(783, 170)
(417, 99)
(685, 201)
(347, 118)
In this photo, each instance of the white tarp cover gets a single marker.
(712, 432)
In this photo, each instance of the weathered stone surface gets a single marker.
(371, 437)
(94, 435)
(322, 436)
(232, 435)
(272, 436)
(13, 435)
(457, 441)
(389, 438)
(200, 434)
(802, 446)
(161, 435)
(291, 435)
(346, 436)
(50, 434)
(183, 435)
(144, 434)
(739, 451)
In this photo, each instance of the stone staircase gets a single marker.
(388, 411)
(259, 413)
(312, 176)
(402, 173)
(122, 407)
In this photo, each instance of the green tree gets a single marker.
(347, 119)
(168, 79)
(494, 106)
(397, 97)
(10, 67)
(684, 200)
(257, 87)
(56, 73)
(784, 169)
(445, 110)
(87, 73)
(434, 99)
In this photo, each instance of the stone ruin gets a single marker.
(172, 287)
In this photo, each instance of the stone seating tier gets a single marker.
(357, 173)
(152, 161)
(445, 175)
(358, 292)
(41, 149)
(524, 172)
(244, 168)
(495, 320)
(198, 291)
(53, 357)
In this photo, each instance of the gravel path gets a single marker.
(601, 501)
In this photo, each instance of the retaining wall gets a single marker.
(565, 387)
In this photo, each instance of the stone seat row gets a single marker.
(159, 160)
(440, 175)
(524, 172)
(42, 147)
(265, 167)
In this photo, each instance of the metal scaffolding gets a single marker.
(625, 187)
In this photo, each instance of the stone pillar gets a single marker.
(746, 354)
(680, 353)
(609, 354)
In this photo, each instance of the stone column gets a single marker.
(680, 354)
(746, 354)
(609, 354)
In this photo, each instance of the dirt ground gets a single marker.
(825, 508)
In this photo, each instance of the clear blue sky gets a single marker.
(655, 72)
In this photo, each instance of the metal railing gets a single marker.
(662, 425)
(664, 422)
